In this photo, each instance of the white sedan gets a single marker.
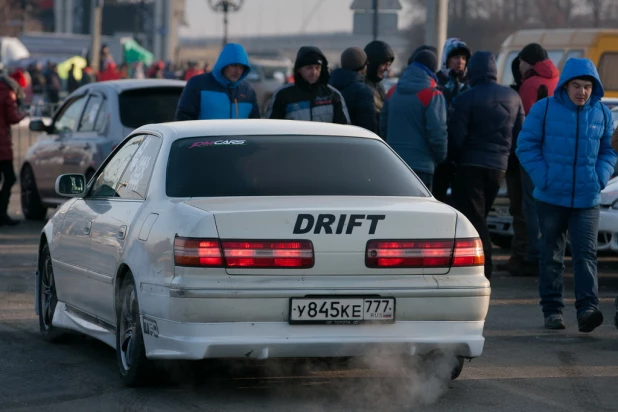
(259, 239)
(608, 220)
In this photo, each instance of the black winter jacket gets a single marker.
(486, 119)
(358, 97)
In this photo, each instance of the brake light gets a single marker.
(197, 252)
(468, 252)
(263, 254)
(268, 254)
(424, 253)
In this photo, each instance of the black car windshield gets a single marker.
(148, 105)
(287, 166)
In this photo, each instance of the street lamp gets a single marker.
(225, 6)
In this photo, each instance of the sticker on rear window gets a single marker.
(210, 143)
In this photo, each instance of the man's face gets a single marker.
(457, 63)
(233, 72)
(311, 73)
(382, 68)
(524, 67)
(579, 91)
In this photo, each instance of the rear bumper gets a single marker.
(608, 231)
(263, 340)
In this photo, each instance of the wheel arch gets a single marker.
(121, 274)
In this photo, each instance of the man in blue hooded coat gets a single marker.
(565, 148)
(222, 93)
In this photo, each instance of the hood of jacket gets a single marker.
(451, 45)
(232, 53)
(482, 68)
(341, 78)
(324, 75)
(414, 79)
(378, 52)
(576, 67)
(545, 69)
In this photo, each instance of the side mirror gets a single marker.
(71, 185)
(37, 125)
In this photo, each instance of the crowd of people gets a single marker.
(548, 135)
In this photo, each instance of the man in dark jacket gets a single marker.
(415, 118)
(565, 149)
(9, 115)
(484, 122)
(350, 81)
(222, 93)
(310, 97)
(452, 81)
(380, 56)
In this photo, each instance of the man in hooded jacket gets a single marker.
(380, 56)
(350, 81)
(310, 97)
(415, 120)
(223, 93)
(565, 149)
(484, 122)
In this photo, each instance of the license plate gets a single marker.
(342, 311)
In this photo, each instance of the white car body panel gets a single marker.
(195, 313)
(608, 219)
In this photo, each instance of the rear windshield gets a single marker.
(149, 105)
(287, 166)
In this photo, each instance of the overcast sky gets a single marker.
(261, 17)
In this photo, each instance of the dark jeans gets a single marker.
(533, 253)
(515, 190)
(442, 179)
(7, 175)
(426, 178)
(583, 226)
(474, 191)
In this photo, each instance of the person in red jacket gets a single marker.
(9, 115)
(110, 73)
(539, 79)
(536, 69)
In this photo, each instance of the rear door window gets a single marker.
(287, 166)
(148, 105)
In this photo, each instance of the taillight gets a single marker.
(468, 252)
(197, 252)
(424, 253)
(268, 254)
(263, 254)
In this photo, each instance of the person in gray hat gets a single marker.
(350, 81)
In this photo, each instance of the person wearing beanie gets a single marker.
(414, 120)
(390, 91)
(565, 149)
(538, 73)
(350, 81)
(483, 124)
(452, 81)
(222, 93)
(310, 97)
(380, 56)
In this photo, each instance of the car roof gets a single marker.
(120, 86)
(253, 127)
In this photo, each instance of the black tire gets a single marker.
(135, 368)
(437, 360)
(48, 299)
(458, 368)
(502, 241)
(31, 205)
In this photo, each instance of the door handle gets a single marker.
(87, 228)
(122, 232)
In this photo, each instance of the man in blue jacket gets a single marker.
(222, 93)
(565, 149)
(483, 124)
(414, 121)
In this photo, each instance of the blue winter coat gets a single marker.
(415, 120)
(212, 96)
(358, 97)
(573, 163)
(486, 119)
